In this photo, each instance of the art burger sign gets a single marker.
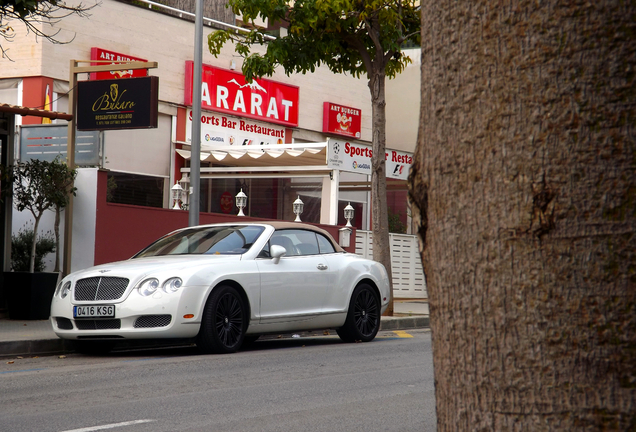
(227, 92)
(356, 158)
(115, 58)
(341, 120)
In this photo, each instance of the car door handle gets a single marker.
(321, 267)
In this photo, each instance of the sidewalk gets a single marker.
(37, 337)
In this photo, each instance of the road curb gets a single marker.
(62, 346)
(404, 323)
(34, 347)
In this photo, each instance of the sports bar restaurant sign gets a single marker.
(130, 103)
(227, 92)
(356, 158)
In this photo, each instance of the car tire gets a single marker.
(93, 347)
(363, 317)
(224, 322)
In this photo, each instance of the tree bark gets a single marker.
(36, 225)
(379, 212)
(524, 191)
(56, 230)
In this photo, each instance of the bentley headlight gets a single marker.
(58, 288)
(172, 285)
(65, 289)
(148, 287)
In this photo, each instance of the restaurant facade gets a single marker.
(276, 139)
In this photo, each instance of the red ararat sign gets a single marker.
(341, 120)
(226, 91)
(115, 58)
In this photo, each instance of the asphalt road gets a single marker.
(311, 383)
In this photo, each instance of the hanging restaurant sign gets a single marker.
(341, 120)
(227, 91)
(351, 157)
(130, 103)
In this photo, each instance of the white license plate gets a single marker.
(95, 311)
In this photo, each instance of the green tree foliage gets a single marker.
(395, 222)
(355, 37)
(348, 36)
(32, 13)
(40, 186)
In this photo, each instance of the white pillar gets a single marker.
(329, 198)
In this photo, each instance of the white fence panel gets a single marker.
(408, 276)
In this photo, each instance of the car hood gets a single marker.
(139, 267)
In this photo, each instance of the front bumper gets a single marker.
(162, 315)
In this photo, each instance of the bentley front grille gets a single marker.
(100, 288)
(108, 324)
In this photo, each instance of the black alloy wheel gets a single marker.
(363, 319)
(224, 322)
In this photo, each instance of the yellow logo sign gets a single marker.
(113, 101)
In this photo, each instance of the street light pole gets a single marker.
(195, 144)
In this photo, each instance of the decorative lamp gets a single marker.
(241, 202)
(184, 182)
(298, 209)
(177, 194)
(348, 214)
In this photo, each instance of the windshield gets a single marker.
(218, 240)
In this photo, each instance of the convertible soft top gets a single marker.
(296, 225)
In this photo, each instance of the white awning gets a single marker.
(282, 155)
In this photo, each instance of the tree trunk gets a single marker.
(36, 224)
(56, 228)
(379, 213)
(524, 184)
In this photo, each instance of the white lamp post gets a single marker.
(298, 209)
(348, 214)
(185, 185)
(177, 193)
(241, 202)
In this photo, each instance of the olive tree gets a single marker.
(39, 186)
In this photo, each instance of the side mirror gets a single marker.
(276, 252)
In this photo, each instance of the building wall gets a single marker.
(140, 32)
(403, 105)
(126, 150)
(84, 219)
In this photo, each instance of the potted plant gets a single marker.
(21, 244)
(38, 186)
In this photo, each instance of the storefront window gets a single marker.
(135, 189)
(218, 196)
(267, 198)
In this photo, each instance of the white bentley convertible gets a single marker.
(224, 284)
